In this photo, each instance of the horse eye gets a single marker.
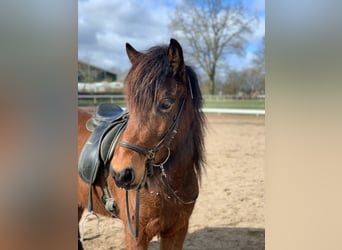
(165, 105)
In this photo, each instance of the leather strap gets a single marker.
(150, 154)
(137, 204)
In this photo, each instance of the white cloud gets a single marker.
(250, 57)
(240, 63)
(105, 26)
(256, 8)
(257, 26)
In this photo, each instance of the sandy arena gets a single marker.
(229, 213)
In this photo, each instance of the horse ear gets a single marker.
(132, 53)
(175, 57)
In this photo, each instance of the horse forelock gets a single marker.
(148, 74)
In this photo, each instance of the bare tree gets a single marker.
(259, 60)
(259, 64)
(212, 29)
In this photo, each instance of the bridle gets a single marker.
(150, 154)
(171, 133)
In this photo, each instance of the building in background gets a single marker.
(94, 80)
(88, 74)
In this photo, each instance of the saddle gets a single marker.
(106, 126)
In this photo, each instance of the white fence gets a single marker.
(235, 111)
(95, 97)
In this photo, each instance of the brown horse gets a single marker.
(159, 157)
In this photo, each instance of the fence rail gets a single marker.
(232, 97)
(96, 97)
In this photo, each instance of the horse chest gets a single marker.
(162, 212)
(159, 202)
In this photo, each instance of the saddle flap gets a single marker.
(89, 162)
(110, 139)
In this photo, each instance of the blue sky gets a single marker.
(105, 26)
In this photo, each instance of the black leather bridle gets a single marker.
(150, 154)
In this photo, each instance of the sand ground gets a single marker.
(229, 213)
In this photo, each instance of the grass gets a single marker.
(235, 104)
(208, 103)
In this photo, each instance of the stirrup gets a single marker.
(82, 238)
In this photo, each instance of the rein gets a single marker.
(137, 204)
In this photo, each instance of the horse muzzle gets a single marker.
(126, 178)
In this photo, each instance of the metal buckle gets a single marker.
(150, 155)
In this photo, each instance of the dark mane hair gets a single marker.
(199, 124)
(148, 74)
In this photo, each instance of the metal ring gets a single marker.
(166, 159)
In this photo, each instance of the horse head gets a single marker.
(157, 93)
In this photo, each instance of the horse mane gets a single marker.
(199, 123)
(149, 73)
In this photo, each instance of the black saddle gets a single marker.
(108, 123)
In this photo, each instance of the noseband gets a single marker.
(150, 154)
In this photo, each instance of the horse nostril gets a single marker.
(125, 177)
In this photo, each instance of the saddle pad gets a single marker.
(99, 148)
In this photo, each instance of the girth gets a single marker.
(107, 125)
